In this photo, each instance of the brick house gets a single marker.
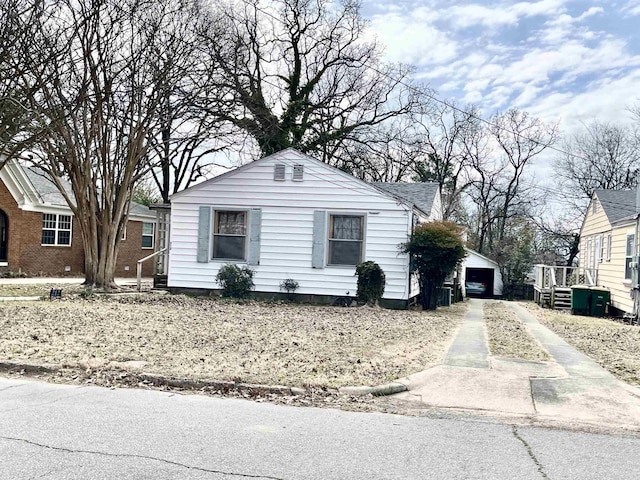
(39, 235)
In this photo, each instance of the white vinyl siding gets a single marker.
(287, 225)
(56, 229)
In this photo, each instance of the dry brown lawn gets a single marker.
(508, 336)
(613, 345)
(296, 345)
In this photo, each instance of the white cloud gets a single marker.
(633, 7)
(500, 14)
(412, 38)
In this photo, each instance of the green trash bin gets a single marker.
(580, 300)
(599, 301)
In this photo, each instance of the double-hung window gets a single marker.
(229, 235)
(56, 229)
(346, 235)
(148, 235)
(629, 253)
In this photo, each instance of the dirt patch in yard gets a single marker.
(508, 336)
(613, 345)
(252, 342)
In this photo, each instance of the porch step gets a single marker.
(160, 281)
(562, 298)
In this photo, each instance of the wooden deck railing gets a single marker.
(549, 276)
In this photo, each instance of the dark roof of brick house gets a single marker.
(50, 194)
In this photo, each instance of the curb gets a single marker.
(377, 391)
(252, 389)
(17, 299)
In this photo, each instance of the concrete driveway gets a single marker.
(570, 390)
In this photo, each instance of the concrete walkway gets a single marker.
(569, 389)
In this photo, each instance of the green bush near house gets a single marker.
(236, 282)
(436, 248)
(371, 280)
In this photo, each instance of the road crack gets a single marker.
(142, 457)
(514, 430)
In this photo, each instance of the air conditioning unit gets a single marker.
(445, 297)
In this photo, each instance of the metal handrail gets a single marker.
(139, 266)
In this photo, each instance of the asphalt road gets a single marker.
(66, 432)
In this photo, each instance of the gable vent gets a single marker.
(278, 172)
(298, 172)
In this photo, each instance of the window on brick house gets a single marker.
(147, 235)
(56, 229)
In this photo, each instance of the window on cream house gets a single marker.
(629, 253)
(56, 229)
(608, 248)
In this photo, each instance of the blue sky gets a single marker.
(563, 60)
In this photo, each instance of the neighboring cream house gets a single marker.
(608, 244)
(291, 216)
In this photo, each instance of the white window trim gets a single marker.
(213, 235)
(58, 229)
(153, 237)
(124, 233)
(608, 249)
(599, 249)
(363, 252)
(626, 256)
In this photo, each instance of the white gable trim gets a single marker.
(473, 252)
(286, 156)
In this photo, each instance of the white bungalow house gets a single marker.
(289, 215)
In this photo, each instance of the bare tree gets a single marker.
(15, 34)
(88, 82)
(446, 133)
(602, 156)
(184, 139)
(300, 73)
(500, 154)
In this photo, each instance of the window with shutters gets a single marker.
(229, 235)
(346, 235)
(56, 229)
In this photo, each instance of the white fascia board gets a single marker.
(45, 208)
(142, 218)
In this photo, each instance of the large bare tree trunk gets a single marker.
(91, 88)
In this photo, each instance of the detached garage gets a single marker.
(480, 276)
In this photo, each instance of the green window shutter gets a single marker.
(204, 234)
(255, 225)
(319, 233)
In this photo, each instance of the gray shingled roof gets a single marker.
(49, 193)
(421, 195)
(617, 204)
